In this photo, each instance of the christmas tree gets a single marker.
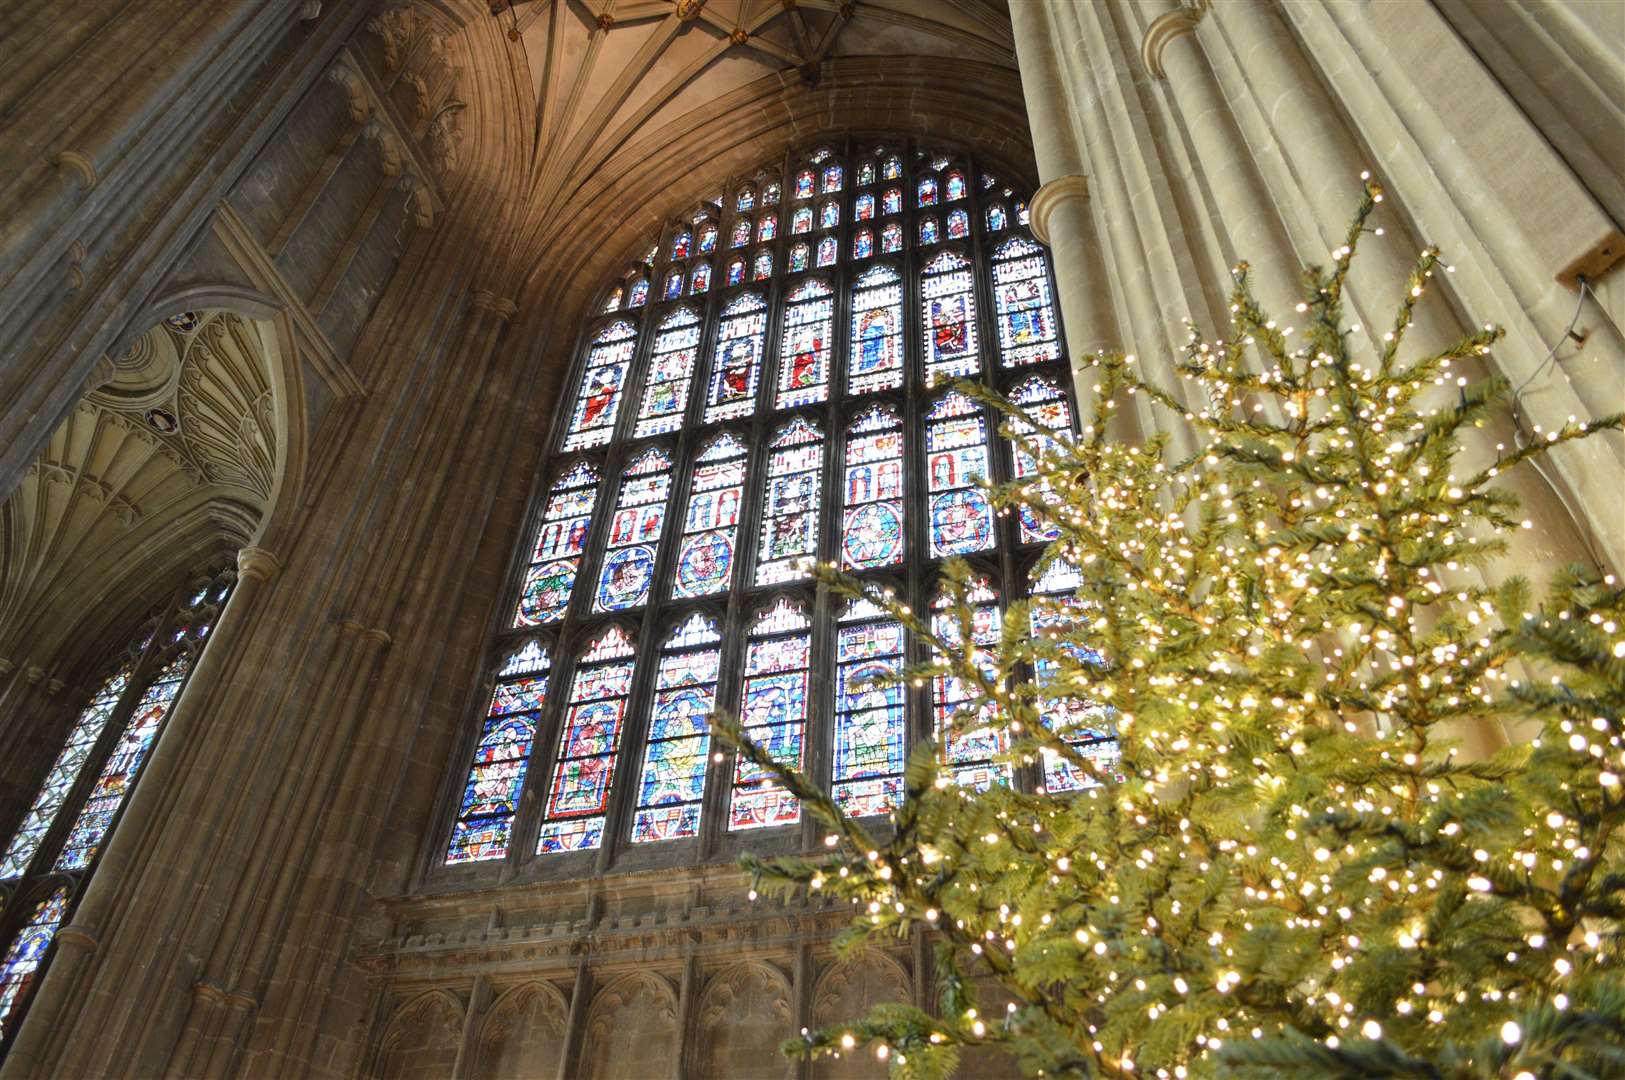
(1263, 851)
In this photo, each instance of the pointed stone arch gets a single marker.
(523, 1034)
(846, 990)
(632, 1029)
(421, 1040)
(744, 1013)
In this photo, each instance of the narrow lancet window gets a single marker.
(679, 742)
(773, 711)
(870, 722)
(484, 823)
(795, 476)
(590, 739)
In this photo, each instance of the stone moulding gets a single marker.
(1163, 29)
(1051, 195)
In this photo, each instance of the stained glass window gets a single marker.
(891, 237)
(804, 184)
(891, 202)
(1023, 304)
(989, 181)
(958, 224)
(736, 271)
(589, 740)
(1086, 725)
(961, 518)
(649, 256)
(801, 220)
(671, 370)
(831, 179)
(827, 251)
(770, 195)
(496, 777)
(614, 301)
(829, 214)
(119, 774)
(679, 740)
(64, 772)
(705, 557)
(928, 230)
(708, 238)
(875, 360)
(1045, 402)
(1021, 211)
(970, 754)
(736, 364)
(741, 234)
(956, 186)
(700, 278)
(870, 723)
(928, 191)
(866, 173)
(893, 169)
(872, 518)
(949, 312)
(795, 474)
(863, 244)
(799, 254)
(634, 533)
(559, 543)
(767, 228)
(674, 285)
(864, 208)
(746, 200)
(599, 398)
(680, 244)
(640, 293)
(22, 963)
(996, 219)
(773, 712)
(763, 267)
(809, 326)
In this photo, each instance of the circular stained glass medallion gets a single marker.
(874, 535)
(626, 577)
(703, 566)
(960, 522)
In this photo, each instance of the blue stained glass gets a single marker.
(588, 743)
(928, 191)
(958, 224)
(593, 420)
(736, 271)
(809, 323)
(891, 201)
(640, 293)
(680, 244)
(1086, 725)
(674, 285)
(956, 460)
(20, 968)
(829, 214)
(801, 221)
(970, 753)
(708, 238)
(949, 311)
(831, 178)
(679, 742)
(763, 268)
(956, 186)
(928, 230)
(876, 358)
(700, 279)
(710, 526)
(997, 219)
(767, 228)
(773, 710)
(746, 200)
(1048, 405)
(559, 544)
(496, 777)
(863, 244)
(864, 208)
(634, 533)
(1024, 305)
(799, 253)
(671, 371)
(870, 725)
(789, 538)
(891, 237)
(736, 366)
(872, 522)
(892, 169)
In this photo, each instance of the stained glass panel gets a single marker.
(484, 822)
(20, 968)
(804, 184)
(746, 200)
(872, 518)
(801, 220)
(949, 311)
(122, 768)
(674, 285)
(598, 400)
(589, 739)
(827, 251)
(764, 265)
(875, 361)
(996, 218)
(893, 169)
(798, 257)
(804, 346)
(891, 201)
(87, 729)
(705, 556)
(736, 365)
(767, 228)
(866, 173)
(863, 244)
(770, 195)
(679, 741)
(1023, 304)
(1048, 405)
(928, 230)
(741, 234)
(831, 179)
(961, 518)
(970, 754)
(773, 711)
(958, 224)
(795, 474)
(927, 190)
(870, 722)
(634, 533)
(1086, 725)
(680, 244)
(700, 278)
(891, 237)
(864, 208)
(559, 543)
(736, 271)
(1021, 211)
(708, 238)
(671, 372)
(956, 186)
(829, 214)
(614, 301)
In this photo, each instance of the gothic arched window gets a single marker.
(786, 407)
(973, 754)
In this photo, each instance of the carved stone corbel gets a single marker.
(257, 564)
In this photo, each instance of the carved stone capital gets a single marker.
(79, 164)
(1047, 198)
(500, 306)
(77, 937)
(208, 991)
(33, 673)
(375, 636)
(242, 999)
(257, 563)
(1163, 29)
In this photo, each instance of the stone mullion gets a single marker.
(468, 1047)
(684, 1063)
(576, 1023)
(803, 975)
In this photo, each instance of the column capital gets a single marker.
(500, 306)
(1164, 28)
(257, 564)
(1049, 196)
(6, 667)
(77, 936)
